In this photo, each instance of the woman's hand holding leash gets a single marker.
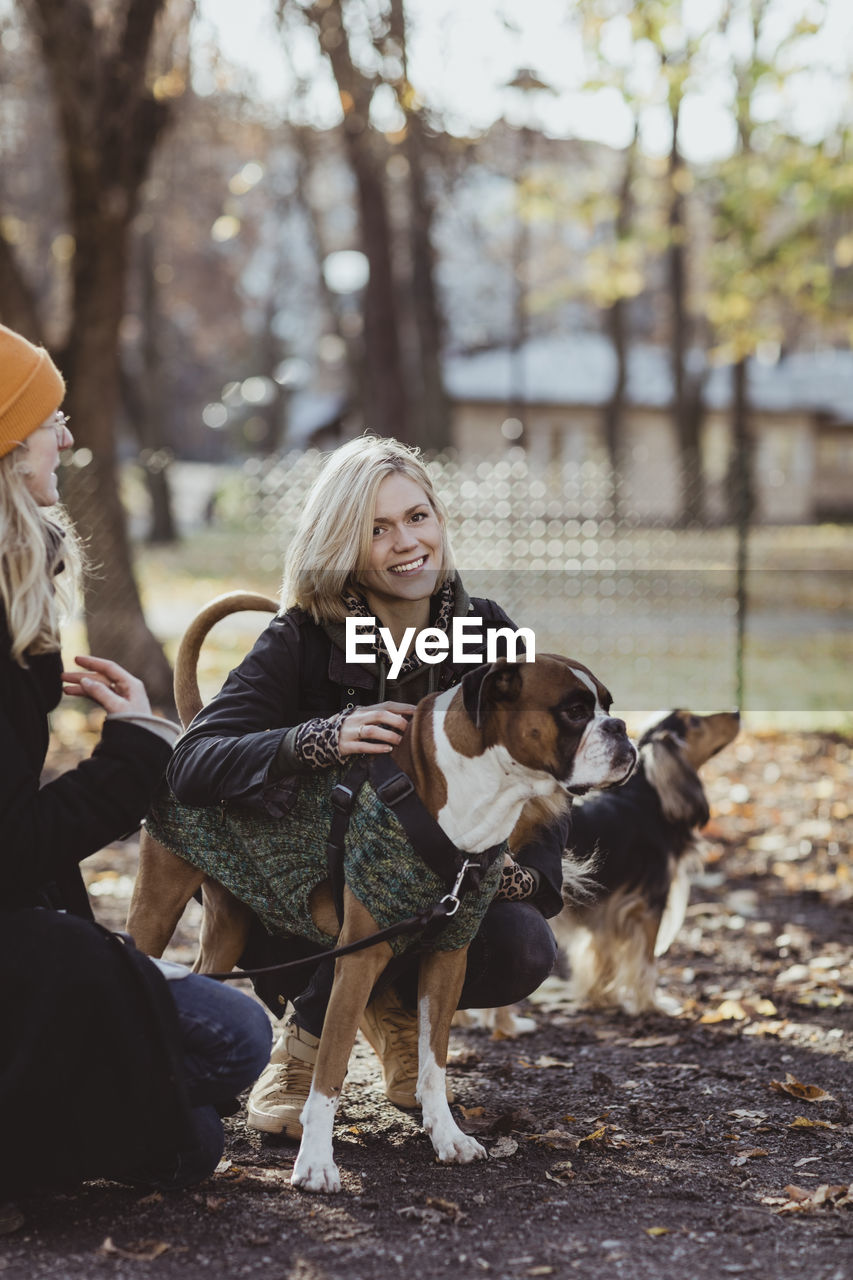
(373, 730)
(108, 684)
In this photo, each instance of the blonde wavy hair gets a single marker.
(33, 596)
(331, 545)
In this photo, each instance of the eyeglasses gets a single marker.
(60, 426)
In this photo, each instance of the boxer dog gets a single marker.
(510, 737)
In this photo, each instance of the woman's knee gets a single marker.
(513, 953)
(250, 1035)
(227, 1035)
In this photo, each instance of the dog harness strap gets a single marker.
(344, 796)
(396, 790)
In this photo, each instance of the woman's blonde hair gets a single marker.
(34, 598)
(331, 546)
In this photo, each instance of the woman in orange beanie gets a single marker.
(150, 1053)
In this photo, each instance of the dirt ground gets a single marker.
(712, 1143)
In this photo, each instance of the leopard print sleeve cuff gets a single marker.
(516, 882)
(316, 741)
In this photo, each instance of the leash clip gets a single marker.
(452, 897)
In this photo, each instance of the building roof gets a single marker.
(580, 368)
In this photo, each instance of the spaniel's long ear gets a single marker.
(682, 795)
(485, 686)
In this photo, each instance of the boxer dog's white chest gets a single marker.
(485, 792)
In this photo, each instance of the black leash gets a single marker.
(436, 915)
(396, 790)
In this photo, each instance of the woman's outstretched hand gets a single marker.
(108, 684)
(374, 730)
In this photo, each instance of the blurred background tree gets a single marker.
(228, 269)
(110, 114)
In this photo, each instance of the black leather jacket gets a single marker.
(238, 749)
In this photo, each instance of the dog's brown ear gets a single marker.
(485, 686)
(682, 795)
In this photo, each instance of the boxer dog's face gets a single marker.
(552, 714)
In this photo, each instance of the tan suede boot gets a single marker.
(392, 1032)
(281, 1090)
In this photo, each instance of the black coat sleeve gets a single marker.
(49, 829)
(229, 750)
(545, 856)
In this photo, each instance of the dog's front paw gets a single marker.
(456, 1147)
(315, 1175)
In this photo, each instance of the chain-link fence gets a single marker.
(654, 611)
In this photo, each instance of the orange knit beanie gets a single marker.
(31, 388)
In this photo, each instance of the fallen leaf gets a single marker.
(802, 1201)
(419, 1214)
(562, 1172)
(775, 1027)
(797, 1193)
(795, 1089)
(728, 1011)
(545, 1061)
(656, 1231)
(141, 1251)
(827, 1194)
(540, 1271)
(503, 1148)
(448, 1207)
(471, 1112)
(754, 1153)
(803, 1122)
(598, 1135)
(558, 1139)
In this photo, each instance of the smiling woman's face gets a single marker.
(42, 447)
(406, 551)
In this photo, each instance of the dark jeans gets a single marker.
(226, 1040)
(513, 951)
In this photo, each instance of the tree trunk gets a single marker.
(109, 125)
(142, 393)
(741, 498)
(17, 298)
(517, 402)
(433, 423)
(387, 407)
(741, 479)
(305, 140)
(114, 619)
(687, 389)
(611, 419)
(434, 428)
(616, 325)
